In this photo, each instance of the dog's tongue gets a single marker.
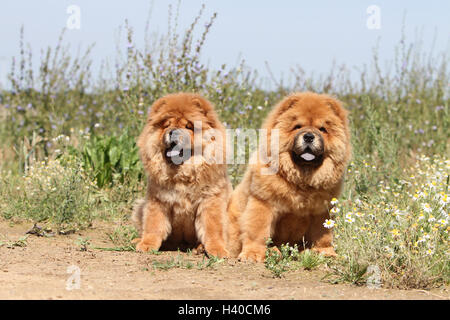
(173, 153)
(308, 156)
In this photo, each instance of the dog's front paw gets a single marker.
(217, 250)
(144, 246)
(253, 253)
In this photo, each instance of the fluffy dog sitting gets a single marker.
(292, 205)
(187, 192)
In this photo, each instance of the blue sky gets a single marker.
(284, 33)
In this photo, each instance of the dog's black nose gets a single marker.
(176, 136)
(308, 137)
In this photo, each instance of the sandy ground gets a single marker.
(41, 269)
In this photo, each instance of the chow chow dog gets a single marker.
(292, 204)
(187, 191)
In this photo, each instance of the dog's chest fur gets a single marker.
(181, 199)
(286, 198)
(303, 203)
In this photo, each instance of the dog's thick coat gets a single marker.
(291, 205)
(185, 204)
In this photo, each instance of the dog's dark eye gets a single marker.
(323, 129)
(299, 126)
(189, 126)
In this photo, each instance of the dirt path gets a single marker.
(39, 270)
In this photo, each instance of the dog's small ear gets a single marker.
(207, 109)
(287, 103)
(156, 106)
(197, 102)
(338, 109)
(202, 104)
(282, 106)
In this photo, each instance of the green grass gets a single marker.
(83, 243)
(289, 258)
(21, 242)
(122, 237)
(117, 249)
(62, 131)
(181, 263)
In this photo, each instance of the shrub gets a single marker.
(55, 192)
(402, 230)
(112, 159)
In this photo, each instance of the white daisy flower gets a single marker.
(427, 208)
(335, 210)
(329, 223)
(349, 220)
